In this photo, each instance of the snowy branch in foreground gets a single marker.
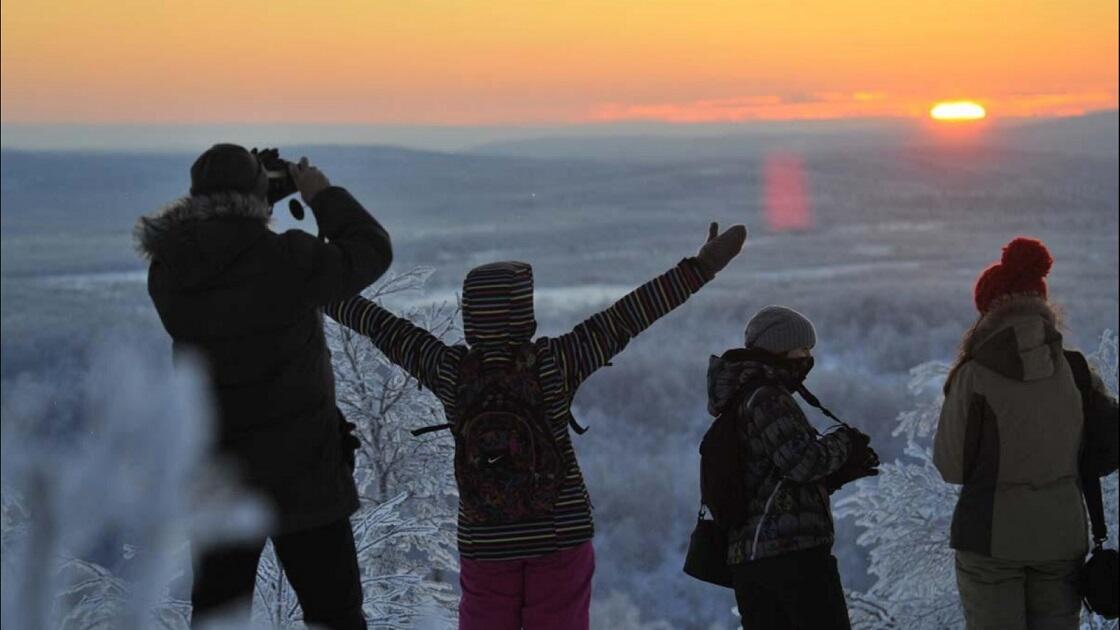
(96, 517)
(405, 527)
(386, 404)
(97, 509)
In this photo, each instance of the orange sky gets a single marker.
(529, 62)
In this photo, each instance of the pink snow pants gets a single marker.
(549, 592)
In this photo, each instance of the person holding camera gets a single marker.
(248, 302)
(779, 534)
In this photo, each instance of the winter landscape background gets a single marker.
(875, 233)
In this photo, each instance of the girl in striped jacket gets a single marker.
(533, 574)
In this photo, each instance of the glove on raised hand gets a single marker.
(721, 248)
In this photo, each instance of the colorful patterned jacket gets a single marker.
(498, 317)
(786, 460)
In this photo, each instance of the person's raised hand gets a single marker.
(309, 179)
(721, 248)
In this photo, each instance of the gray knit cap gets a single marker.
(777, 330)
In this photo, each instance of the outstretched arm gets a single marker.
(418, 351)
(591, 344)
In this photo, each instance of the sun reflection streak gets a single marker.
(785, 195)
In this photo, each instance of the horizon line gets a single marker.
(189, 136)
(544, 124)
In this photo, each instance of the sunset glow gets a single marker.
(503, 63)
(958, 111)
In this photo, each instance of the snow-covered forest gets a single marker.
(152, 448)
(103, 468)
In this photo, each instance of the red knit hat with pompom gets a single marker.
(1023, 269)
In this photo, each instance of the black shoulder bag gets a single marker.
(1098, 579)
(722, 477)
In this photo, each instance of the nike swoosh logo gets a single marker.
(493, 460)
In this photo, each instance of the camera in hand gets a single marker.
(280, 182)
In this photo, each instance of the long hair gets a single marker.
(964, 354)
(972, 336)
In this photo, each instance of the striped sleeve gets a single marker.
(591, 344)
(418, 351)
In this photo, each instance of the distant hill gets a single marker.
(1093, 134)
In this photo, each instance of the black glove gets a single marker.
(862, 461)
(861, 453)
(846, 475)
(721, 248)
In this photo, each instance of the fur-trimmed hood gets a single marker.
(196, 237)
(1018, 339)
(150, 230)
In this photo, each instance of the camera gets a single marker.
(280, 182)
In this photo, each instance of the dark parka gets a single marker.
(786, 460)
(247, 301)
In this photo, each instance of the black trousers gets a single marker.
(321, 564)
(795, 591)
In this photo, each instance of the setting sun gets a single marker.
(958, 110)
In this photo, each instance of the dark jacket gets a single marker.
(786, 460)
(248, 301)
(497, 319)
(1010, 432)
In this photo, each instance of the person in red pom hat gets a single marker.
(1010, 433)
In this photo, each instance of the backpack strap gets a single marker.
(525, 358)
(740, 395)
(1090, 483)
(430, 429)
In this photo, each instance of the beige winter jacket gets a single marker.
(1010, 432)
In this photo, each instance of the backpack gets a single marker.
(1097, 579)
(508, 462)
(723, 467)
(1102, 432)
